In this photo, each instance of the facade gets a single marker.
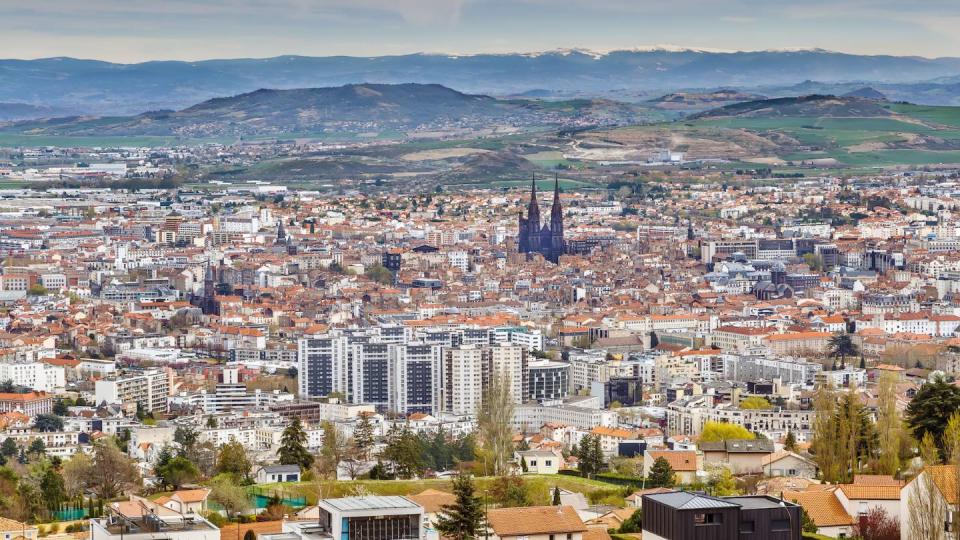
(545, 239)
(549, 381)
(683, 515)
(149, 390)
(415, 371)
(362, 518)
(31, 403)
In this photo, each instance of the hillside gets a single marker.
(801, 106)
(105, 88)
(364, 110)
(696, 101)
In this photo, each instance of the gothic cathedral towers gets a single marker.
(546, 239)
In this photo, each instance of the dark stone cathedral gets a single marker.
(545, 239)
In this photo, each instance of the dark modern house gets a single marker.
(687, 515)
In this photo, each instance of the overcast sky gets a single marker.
(137, 30)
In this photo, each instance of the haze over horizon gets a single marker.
(130, 31)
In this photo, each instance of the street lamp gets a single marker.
(783, 504)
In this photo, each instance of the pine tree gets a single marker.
(661, 474)
(464, 519)
(293, 446)
(556, 496)
(790, 443)
(363, 435)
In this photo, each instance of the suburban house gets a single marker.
(610, 439)
(786, 463)
(14, 529)
(277, 473)
(186, 501)
(374, 516)
(683, 515)
(825, 509)
(536, 523)
(540, 461)
(144, 519)
(685, 463)
(741, 456)
(432, 501)
(939, 483)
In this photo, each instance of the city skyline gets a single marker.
(108, 29)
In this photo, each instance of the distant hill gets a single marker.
(105, 88)
(24, 111)
(815, 105)
(867, 93)
(702, 100)
(355, 108)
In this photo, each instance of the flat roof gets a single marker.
(373, 502)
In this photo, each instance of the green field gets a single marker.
(540, 487)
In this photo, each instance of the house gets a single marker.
(146, 520)
(741, 456)
(277, 473)
(871, 491)
(610, 439)
(187, 501)
(12, 529)
(375, 517)
(635, 499)
(825, 509)
(934, 489)
(432, 501)
(535, 523)
(786, 463)
(540, 461)
(682, 515)
(685, 463)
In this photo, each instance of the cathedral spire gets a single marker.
(557, 210)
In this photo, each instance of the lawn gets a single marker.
(540, 487)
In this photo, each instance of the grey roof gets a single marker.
(758, 501)
(373, 502)
(738, 446)
(687, 500)
(281, 468)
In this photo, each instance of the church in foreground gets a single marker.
(543, 238)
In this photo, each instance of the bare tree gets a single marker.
(927, 509)
(495, 418)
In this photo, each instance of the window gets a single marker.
(747, 526)
(791, 472)
(547, 463)
(533, 463)
(707, 519)
(780, 525)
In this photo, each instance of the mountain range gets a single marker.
(349, 109)
(104, 88)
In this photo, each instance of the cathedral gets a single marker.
(545, 239)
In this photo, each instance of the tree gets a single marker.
(930, 409)
(632, 524)
(186, 438)
(841, 346)
(464, 519)
(556, 496)
(249, 535)
(363, 435)
(232, 460)
(510, 491)
(724, 431)
(790, 443)
(293, 446)
(755, 402)
(52, 488)
(76, 474)
(927, 511)
(232, 497)
(405, 452)
(722, 483)
(877, 525)
(889, 425)
(590, 455)
(177, 471)
(37, 290)
(332, 451)
(9, 447)
(112, 472)
(661, 474)
(48, 422)
(494, 419)
(37, 448)
(60, 408)
(380, 274)
(806, 522)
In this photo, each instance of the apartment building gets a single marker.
(149, 389)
